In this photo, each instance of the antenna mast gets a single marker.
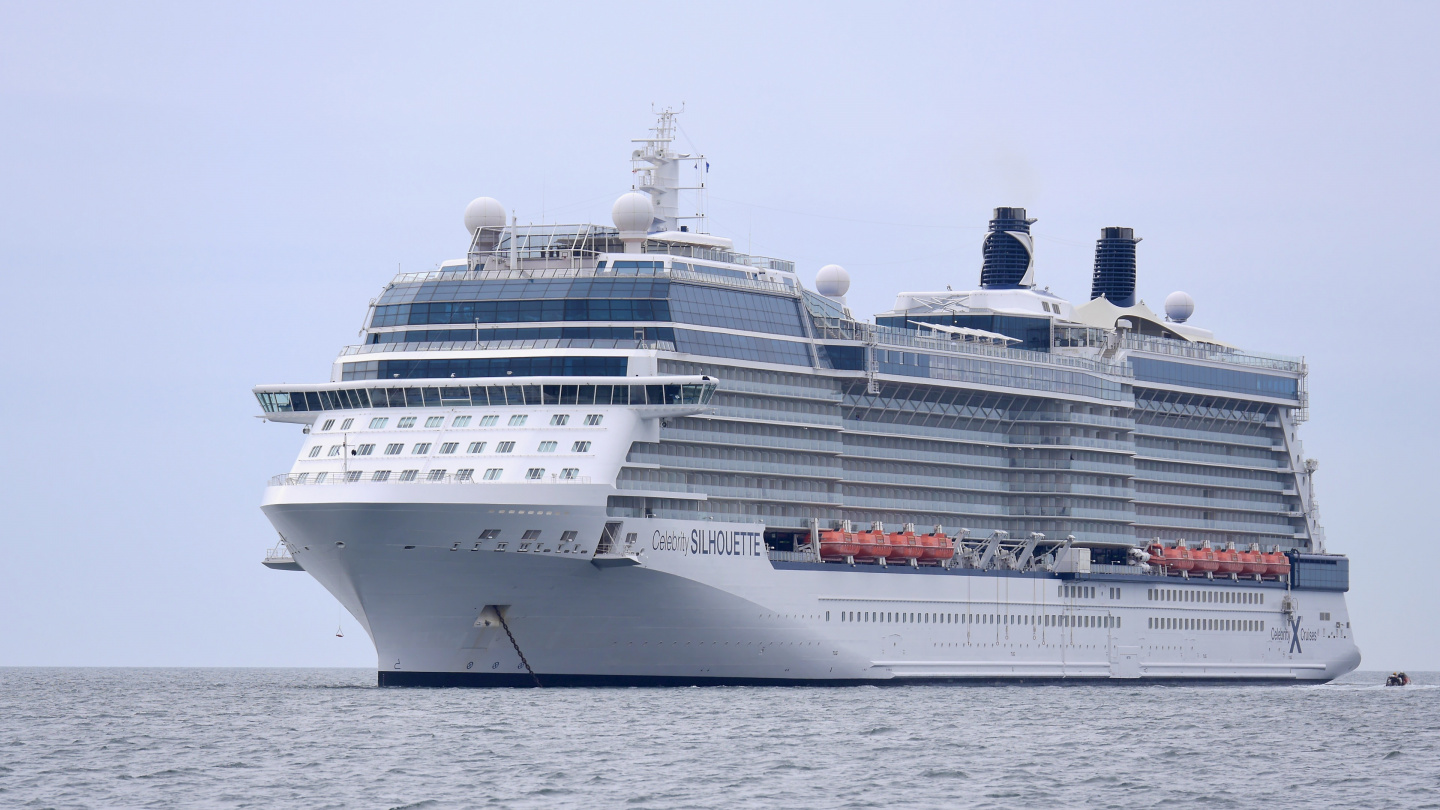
(656, 168)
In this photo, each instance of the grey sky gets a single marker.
(194, 200)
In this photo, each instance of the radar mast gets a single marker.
(656, 168)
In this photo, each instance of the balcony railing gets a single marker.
(1214, 353)
(365, 477)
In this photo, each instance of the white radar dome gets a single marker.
(1179, 306)
(633, 212)
(832, 281)
(484, 212)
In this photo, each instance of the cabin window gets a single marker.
(518, 420)
(379, 422)
(560, 419)
(394, 449)
(593, 419)
(505, 447)
(406, 422)
(547, 447)
(489, 421)
(408, 475)
(420, 449)
(434, 421)
(315, 451)
(364, 449)
(449, 447)
(329, 423)
(580, 447)
(492, 474)
(380, 475)
(535, 473)
(570, 473)
(464, 475)
(436, 475)
(346, 424)
(476, 447)
(460, 421)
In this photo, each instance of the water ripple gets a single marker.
(73, 738)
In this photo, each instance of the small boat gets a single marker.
(1205, 559)
(905, 545)
(1180, 557)
(938, 547)
(837, 545)
(1397, 679)
(1252, 561)
(1229, 560)
(1276, 563)
(873, 545)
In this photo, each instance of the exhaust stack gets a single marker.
(1009, 251)
(1114, 277)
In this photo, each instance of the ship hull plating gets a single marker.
(701, 602)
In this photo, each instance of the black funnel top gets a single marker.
(1115, 266)
(1007, 259)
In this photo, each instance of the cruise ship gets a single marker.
(630, 454)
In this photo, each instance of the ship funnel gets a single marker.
(1009, 251)
(1114, 277)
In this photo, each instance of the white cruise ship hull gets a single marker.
(702, 602)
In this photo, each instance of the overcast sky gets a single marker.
(198, 198)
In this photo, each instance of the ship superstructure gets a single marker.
(596, 454)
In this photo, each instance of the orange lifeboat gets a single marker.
(872, 544)
(1180, 557)
(937, 546)
(1156, 550)
(906, 545)
(1252, 560)
(1276, 563)
(1229, 560)
(1205, 559)
(837, 545)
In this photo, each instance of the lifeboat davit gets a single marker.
(1180, 557)
(905, 545)
(872, 544)
(937, 546)
(1253, 561)
(1229, 560)
(1276, 563)
(837, 545)
(1205, 559)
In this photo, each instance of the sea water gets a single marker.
(278, 738)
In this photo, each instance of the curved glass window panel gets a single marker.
(1220, 379)
(482, 367)
(742, 347)
(735, 309)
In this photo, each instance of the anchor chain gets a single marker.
(511, 635)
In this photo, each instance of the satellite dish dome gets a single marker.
(832, 281)
(1179, 306)
(633, 212)
(484, 212)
